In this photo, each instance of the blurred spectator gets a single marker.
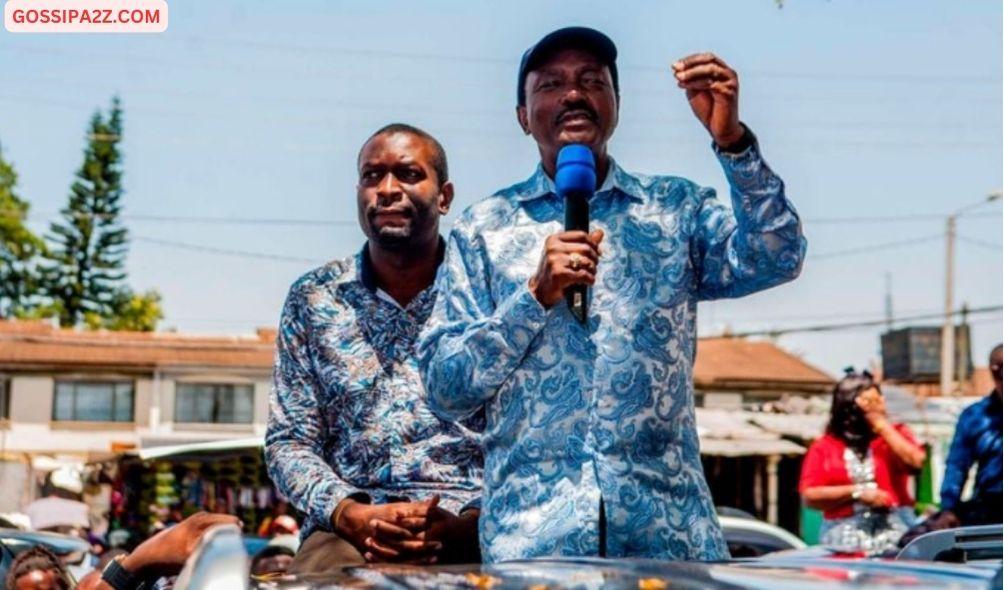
(108, 556)
(977, 440)
(160, 556)
(283, 525)
(37, 569)
(279, 509)
(858, 472)
(60, 510)
(272, 560)
(943, 519)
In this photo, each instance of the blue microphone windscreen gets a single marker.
(575, 170)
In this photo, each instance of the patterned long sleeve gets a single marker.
(297, 430)
(757, 245)
(470, 345)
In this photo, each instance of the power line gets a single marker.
(981, 243)
(854, 325)
(876, 247)
(333, 105)
(876, 219)
(505, 62)
(225, 251)
(825, 316)
(230, 220)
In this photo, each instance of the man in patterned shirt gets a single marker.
(350, 438)
(591, 445)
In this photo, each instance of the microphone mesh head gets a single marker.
(575, 170)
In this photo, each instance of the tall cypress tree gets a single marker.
(86, 258)
(18, 247)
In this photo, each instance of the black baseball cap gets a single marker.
(583, 38)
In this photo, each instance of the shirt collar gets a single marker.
(617, 180)
(364, 265)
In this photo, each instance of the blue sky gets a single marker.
(252, 109)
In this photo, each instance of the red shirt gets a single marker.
(824, 466)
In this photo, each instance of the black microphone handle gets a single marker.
(577, 218)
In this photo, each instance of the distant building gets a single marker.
(69, 396)
(732, 372)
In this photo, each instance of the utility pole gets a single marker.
(888, 301)
(948, 327)
(963, 357)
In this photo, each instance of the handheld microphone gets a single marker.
(575, 181)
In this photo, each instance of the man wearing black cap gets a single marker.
(591, 446)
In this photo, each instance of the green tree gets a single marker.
(135, 312)
(19, 247)
(84, 273)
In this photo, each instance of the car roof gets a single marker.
(57, 543)
(800, 574)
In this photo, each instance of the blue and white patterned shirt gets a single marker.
(579, 413)
(348, 413)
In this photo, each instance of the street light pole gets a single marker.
(948, 327)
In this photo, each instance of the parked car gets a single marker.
(748, 537)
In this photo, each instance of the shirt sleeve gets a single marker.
(897, 464)
(470, 346)
(813, 468)
(759, 243)
(960, 459)
(296, 427)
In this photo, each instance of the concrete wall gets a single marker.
(142, 397)
(13, 485)
(31, 399)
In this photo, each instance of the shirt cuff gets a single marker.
(745, 141)
(334, 497)
(749, 177)
(474, 504)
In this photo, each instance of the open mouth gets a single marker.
(577, 116)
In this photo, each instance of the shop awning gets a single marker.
(731, 447)
(199, 448)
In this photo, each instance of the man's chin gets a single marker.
(588, 136)
(392, 238)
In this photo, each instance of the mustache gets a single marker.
(577, 109)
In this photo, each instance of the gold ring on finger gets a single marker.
(575, 261)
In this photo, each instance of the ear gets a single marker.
(445, 198)
(524, 121)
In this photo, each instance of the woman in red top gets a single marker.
(858, 472)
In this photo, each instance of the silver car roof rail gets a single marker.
(220, 562)
(961, 544)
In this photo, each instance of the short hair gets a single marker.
(38, 558)
(273, 551)
(997, 351)
(438, 153)
(270, 551)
